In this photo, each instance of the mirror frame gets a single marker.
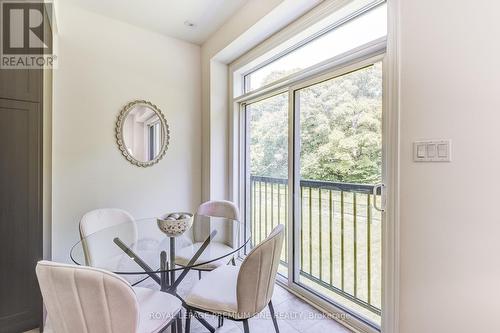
(119, 133)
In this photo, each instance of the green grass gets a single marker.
(326, 224)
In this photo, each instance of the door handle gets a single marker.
(380, 208)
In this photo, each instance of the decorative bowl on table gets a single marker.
(175, 224)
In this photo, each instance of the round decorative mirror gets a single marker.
(142, 133)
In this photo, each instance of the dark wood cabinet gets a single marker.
(21, 193)
(20, 214)
(21, 84)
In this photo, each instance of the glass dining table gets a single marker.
(138, 250)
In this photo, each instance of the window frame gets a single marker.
(375, 51)
(291, 282)
(302, 43)
(150, 123)
(294, 183)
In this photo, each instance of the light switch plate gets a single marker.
(432, 151)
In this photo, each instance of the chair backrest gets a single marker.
(85, 299)
(100, 219)
(227, 233)
(220, 208)
(257, 274)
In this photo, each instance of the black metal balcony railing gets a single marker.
(340, 235)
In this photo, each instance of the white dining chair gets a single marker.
(101, 218)
(224, 242)
(98, 245)
(83, 299)
(97, 220)
(220, 208)
(239, 293)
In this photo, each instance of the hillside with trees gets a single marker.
(341, 128)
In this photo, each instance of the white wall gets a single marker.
(249, 26)
(214, 100)
(103, 65)
(449, 219)
(450, 222)
(450, 225)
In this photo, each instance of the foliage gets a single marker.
(340, 130)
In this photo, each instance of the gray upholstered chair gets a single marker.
(223, 243)
(84, 299)
(239, 293)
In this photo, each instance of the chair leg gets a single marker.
(233, 262)
(170, 325)
(179, 323)
(188, 321)
(220, 321)
(246, 329)
(273, 316)
(173, 327)
(199, 275)
(203, 321)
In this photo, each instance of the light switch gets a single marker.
(431, 150)
(442, 150)
(420, 150)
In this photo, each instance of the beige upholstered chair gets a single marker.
(239, 293)
(84, 299)
(222, 244)
(99, 249)
(99, 219)
(220, 208)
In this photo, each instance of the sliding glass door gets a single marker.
(313, 157)
(327, 133)
(338, 163)
(267, 168)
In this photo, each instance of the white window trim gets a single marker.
(151, 121)
(302, 42)
(366, 50)
(390, 301)
(348, 65)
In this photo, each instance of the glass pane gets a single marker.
(267, 171)
(359, 31)
(340, 162)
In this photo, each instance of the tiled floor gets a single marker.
(294, 315)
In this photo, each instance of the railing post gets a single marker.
(253, 210)
(320, 213)
(355, 245)
(337, 262)
(331, 235)
(310, 231)
(286, 221)
(368, 246)
(342, 238)
(265, 210)
(260, 211)
(301, 229)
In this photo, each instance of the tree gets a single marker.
(340, 129)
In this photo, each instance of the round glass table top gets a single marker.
(140, 247)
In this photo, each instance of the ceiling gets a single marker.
(168, 17)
